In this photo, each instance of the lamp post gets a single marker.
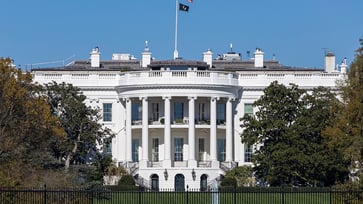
(193, 175)
(166, 174)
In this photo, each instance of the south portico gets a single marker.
(178, 133)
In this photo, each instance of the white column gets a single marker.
(213, 129)
(192, 163)
(167, 131)
(128, 130)
(229, 129)
(145, 131)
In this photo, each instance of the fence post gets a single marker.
(234, 195)
(330, 195)
(92, 194)
(45, 194)
(187, 193)
(283, 195)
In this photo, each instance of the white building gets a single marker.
(177, 121)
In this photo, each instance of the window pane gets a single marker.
(248, 153)
(135, 148)
(155, 149)
(136, 111)
(178, 111)
(221, 113)
(178, 149)
(107, 146)
(221, 148)
(155, 113)
(201, 111)
(201, 149)
(201, 144)
(107, 112)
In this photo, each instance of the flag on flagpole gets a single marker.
(183, 7)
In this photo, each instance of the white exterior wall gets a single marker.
(114, 87)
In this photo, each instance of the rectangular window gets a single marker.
(178, 111)
(155, 150)
(155, 111)
(135, 150)
(221, 113)
(107, 112)
(248, 109)
(201, 149)
(221, 148)
(178, 149)
(248, 153)
(107, 146)
(201, 111)
(136, 111)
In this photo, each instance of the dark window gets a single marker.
(179, 182)
(155, 150)
(178, 111)
(155, 182)
(107, 146)
(221, 113)
(135, 150)
(203, 182)
(202, 112)
(221, 148)
(248, 153)
(155, 111)
(136, 111)
(107, 112)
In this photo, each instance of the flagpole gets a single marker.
(176, 54)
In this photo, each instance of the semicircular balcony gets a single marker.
(182, 82)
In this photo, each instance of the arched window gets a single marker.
(155, 182)
(179, 182)
(203, 182)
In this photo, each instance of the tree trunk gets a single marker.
(69, 156)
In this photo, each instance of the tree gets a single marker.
(287, 131)
(345, 133)
(26, 127)
(81, 124)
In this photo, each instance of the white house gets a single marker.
(177, 121)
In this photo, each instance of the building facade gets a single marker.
(177, 122)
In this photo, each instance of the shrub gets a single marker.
(229, 182)
(126, 180)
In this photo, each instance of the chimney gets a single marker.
(95, 57)
(258, 57)
(329, 62)
(343, 66)
(146, 56)
(208, 57)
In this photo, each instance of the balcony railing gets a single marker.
(178, 78)
(166, 77)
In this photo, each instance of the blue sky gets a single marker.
(297, 32)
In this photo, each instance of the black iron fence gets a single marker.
(108, 195)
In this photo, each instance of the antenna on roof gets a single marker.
(50, 62)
